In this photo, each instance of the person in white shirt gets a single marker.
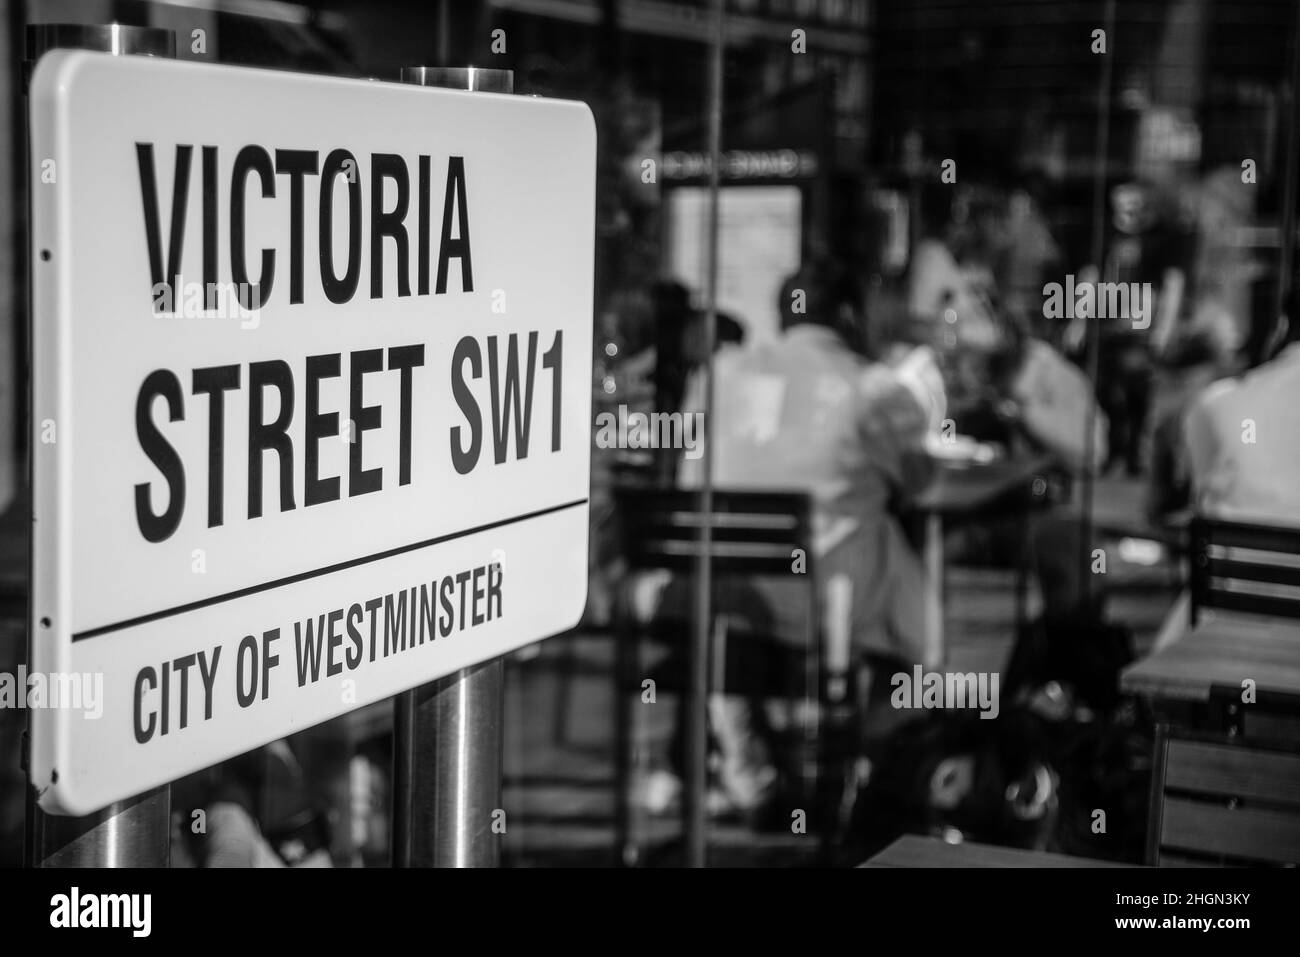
(1242, 447)
(806, 412)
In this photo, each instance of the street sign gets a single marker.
(311, 401)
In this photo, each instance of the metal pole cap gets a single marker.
(461, 78)
(115, 38)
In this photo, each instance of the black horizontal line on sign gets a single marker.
(316, 573)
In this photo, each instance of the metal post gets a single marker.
(447, 734)
(447, 770)
(111, 38)
(1286, 259)
(131, 833)
(698, 688)
(135, 832)
(1092, 340)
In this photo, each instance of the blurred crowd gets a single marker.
(990, 346)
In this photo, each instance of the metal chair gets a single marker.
(1244, 567)
(753, 534)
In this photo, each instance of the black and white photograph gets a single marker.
(858, 437)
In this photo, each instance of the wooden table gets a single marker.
(913, 850)
(966, 491)
(1223, 650)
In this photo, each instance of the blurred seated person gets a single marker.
(677, 348)
(950, 276)
(1200, 350)
(672, 311)
(640, 378)
(1194, 346)
(1242, 447)
(636, 374)
(1025, 396)
(807, 413)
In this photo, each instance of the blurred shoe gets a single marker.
(747, 786)
(1052, 701)
(657, 792)
(647, 588)
(742, 767)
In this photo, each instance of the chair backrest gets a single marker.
(1241, 567)
(753, 533)
(1215, 802)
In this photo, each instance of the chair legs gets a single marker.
(828, 733)
(563, 692)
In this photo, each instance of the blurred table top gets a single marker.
(1223, 650)
(960, 488)
(913, 850)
